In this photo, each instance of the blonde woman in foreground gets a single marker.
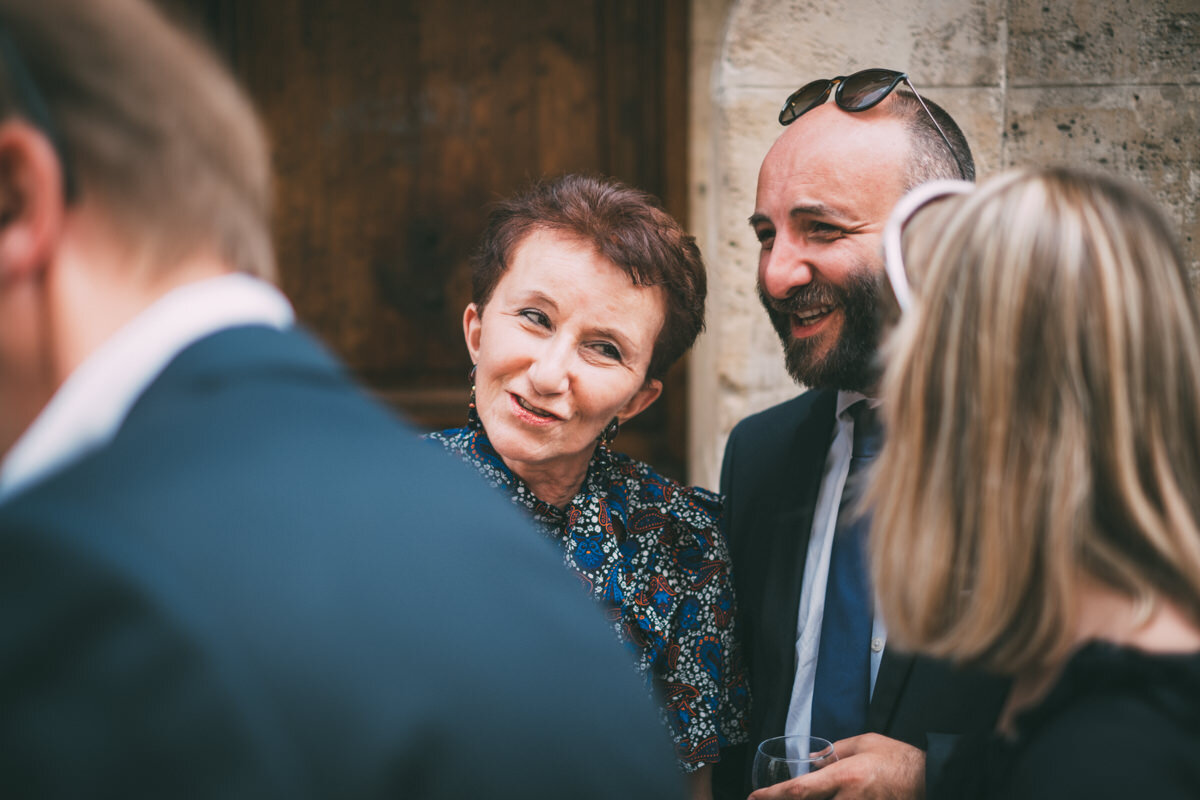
(1037, 500)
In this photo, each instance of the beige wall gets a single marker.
(1106, 83)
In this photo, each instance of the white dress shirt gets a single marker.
(88, 409)
(816, 574)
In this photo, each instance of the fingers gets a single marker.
(868, 766)
(819, 785)
(864, 743)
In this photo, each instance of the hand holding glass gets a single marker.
(785, 757)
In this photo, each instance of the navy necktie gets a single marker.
(842, 688)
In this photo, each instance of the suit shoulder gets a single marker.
(779, 422)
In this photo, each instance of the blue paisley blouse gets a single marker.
(650, 551)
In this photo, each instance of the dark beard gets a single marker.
(851, 364)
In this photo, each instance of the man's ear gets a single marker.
(31, 200)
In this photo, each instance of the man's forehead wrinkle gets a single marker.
(798, 194)
(811, 194)
(816, 207)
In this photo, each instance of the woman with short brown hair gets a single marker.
(585, 292)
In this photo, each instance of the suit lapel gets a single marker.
(894, 670)
(790, 525)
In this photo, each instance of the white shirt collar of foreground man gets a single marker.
(88, 409)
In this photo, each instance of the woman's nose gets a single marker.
(548, 374)
(785, 268)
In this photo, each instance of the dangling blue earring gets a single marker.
(473, 421)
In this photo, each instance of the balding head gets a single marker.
(850, 158)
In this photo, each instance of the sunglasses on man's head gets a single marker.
(858, 92)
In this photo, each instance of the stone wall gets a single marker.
(1113, 84)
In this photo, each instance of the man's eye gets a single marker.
(536, 317)
(825, 230)
(766, 237)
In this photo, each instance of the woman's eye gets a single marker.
(608, 351)
(536, 317)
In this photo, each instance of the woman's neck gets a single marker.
(554, 483)
(1160, 628)
(1107, 616)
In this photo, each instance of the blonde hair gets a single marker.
(1043, 412)
(157, 134)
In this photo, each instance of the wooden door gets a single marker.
(395, 122)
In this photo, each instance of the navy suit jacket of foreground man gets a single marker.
(264, 586)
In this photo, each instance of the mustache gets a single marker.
(813, 294)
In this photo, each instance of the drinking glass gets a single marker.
(785, 757)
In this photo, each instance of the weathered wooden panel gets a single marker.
(395, 123)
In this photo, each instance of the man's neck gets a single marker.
(91, 287)
(90, 405)
(99, 284)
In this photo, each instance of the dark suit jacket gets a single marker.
(266, 587)
(774, 463)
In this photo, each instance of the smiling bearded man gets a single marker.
(815, 649)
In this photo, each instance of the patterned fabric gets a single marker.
(650, 551)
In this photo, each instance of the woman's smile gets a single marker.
(525, 410)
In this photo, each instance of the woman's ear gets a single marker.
(646, 395)
(472, 330)
(31, 200)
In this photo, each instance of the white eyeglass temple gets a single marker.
(893, 254)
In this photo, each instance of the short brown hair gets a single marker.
(158, 136)
(626, 226)
(1043, 410)
(929, 159)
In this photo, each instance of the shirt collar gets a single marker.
(847, 398)
(88, 409)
